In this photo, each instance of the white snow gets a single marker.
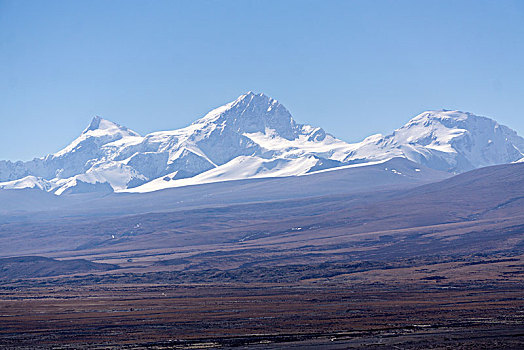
(251, 137)
(452, 141)
(242, 167)
(28, 182)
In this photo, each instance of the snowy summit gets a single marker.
(253, 136)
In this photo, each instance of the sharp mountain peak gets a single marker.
(256, 136)
(99, 124)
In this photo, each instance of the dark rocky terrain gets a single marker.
(435, 266)
(39, 266)
(304, 315)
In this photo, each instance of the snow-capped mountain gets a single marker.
(451, 141)
(253, 136)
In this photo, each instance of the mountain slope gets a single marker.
(473, 208)
(447, 140)
(252, 137)
(394, 174)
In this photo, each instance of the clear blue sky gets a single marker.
(353, 67)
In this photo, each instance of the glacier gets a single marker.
(254, 136)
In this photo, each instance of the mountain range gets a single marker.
(413, 234)
(255, 137)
